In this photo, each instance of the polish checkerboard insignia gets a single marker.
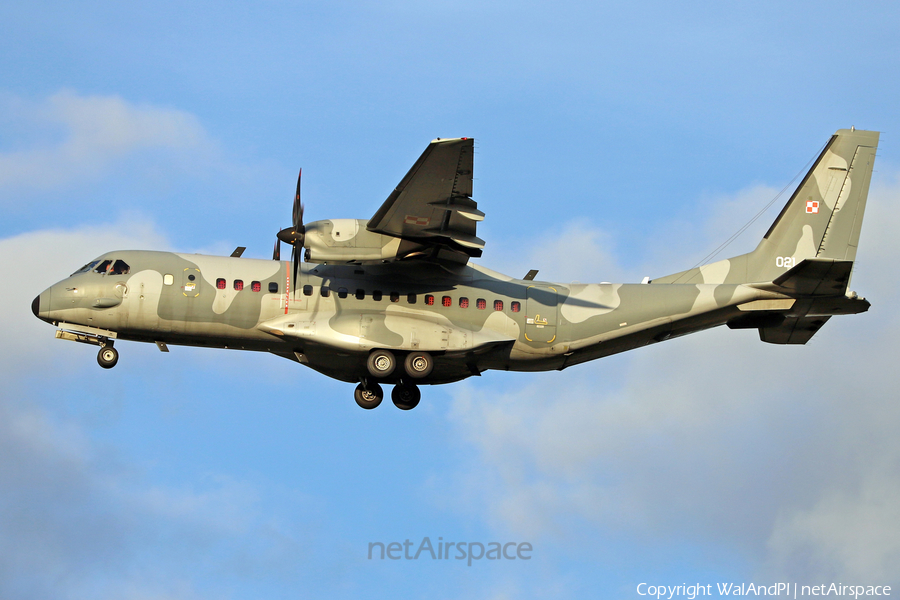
(812, 207)
(420, 221)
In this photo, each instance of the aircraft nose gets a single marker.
(40, 306)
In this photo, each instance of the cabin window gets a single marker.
(360, 294)
(464, 303)
(481, 304)
(168, 279)
(256, 286)
(238, 284)
(273, 288)
(342, 292)
(220, 283)
(446, 301)
(376, 295)
(498, 304)
(429, 300)
(411, 298)
(324, 291)
(515, 306)
(307, 290)
(395, 297)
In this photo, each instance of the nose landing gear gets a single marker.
(108, 356)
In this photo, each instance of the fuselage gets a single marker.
(471, 318)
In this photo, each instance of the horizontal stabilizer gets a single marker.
(816, 277)
(793, 330)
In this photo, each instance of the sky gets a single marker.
(613, 142)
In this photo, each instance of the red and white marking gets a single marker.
(812, 207)
(413, 220)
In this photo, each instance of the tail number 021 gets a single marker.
(785, 261)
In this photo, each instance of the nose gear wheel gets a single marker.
(107, 357)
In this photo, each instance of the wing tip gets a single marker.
(450, 140)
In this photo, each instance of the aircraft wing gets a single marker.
(432, 205)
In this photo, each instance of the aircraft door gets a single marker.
(190, 284)
(540, 314)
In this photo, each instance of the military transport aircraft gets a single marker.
(397, 300)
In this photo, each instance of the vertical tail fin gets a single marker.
(821, 220)
(823, 217)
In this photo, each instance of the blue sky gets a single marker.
(612, 142)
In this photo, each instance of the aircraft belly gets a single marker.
(365, 331)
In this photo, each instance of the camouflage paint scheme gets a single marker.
(421, 241)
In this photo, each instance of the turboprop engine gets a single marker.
(348, 240)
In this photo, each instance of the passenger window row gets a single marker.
(377, 295)
(446, 301)
(238, 284)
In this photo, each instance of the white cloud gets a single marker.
(787, 455)
(77, 522)
(580, 252)
(76, 138)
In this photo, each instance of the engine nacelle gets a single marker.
(349, 241)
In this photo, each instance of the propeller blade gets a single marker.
(298, 206)
(295, 260)
(295, 235)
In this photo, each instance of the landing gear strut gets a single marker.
(369, 396)
(406, 396)
(107, 357)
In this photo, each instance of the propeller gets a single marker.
(294, 235)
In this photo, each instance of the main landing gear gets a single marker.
(381, 364)
(406, 396)
(368, 397)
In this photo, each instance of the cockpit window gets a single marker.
(112, 267)
(86, 267)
